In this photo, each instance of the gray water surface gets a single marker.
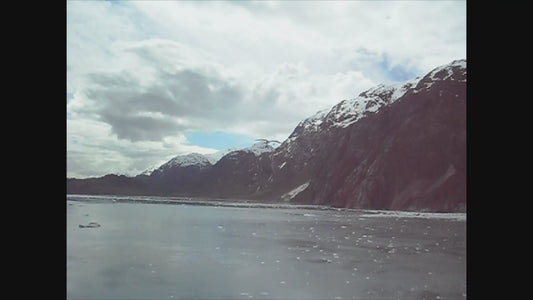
(163, 251)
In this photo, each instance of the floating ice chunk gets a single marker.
(264, 294)
(343, 226)
(262, 262)
(90, 225)
(282, 282)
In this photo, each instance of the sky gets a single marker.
(150, 80)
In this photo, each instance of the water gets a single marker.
(184, 251)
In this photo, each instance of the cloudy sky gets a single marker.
(149, 80)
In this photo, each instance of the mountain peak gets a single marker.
(188, 160)
(257, 149)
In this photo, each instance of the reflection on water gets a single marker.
(160, 251)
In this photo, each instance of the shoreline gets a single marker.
(176, 200)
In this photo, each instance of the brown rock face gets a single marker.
(410, 155)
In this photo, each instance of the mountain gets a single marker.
(400, 146)
(181, 175)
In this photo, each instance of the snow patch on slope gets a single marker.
(149, 171)
(445, 72)
(312, 123)
(293, 193)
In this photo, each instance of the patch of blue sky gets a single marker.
(219, 140)
(397, 73)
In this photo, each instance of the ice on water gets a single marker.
(244, 251)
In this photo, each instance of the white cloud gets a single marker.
(142, 73)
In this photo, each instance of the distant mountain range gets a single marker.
(400, 147)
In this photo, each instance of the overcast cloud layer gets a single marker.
(142, 75)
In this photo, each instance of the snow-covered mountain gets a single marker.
(400, 146)
(256, 149)
(188, 160)
(181, 161)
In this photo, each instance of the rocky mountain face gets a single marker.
(399, 147)
(393, 147)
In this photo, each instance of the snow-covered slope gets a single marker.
(149, 171)
(257, 149)
(349, 111)
(192, 159)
